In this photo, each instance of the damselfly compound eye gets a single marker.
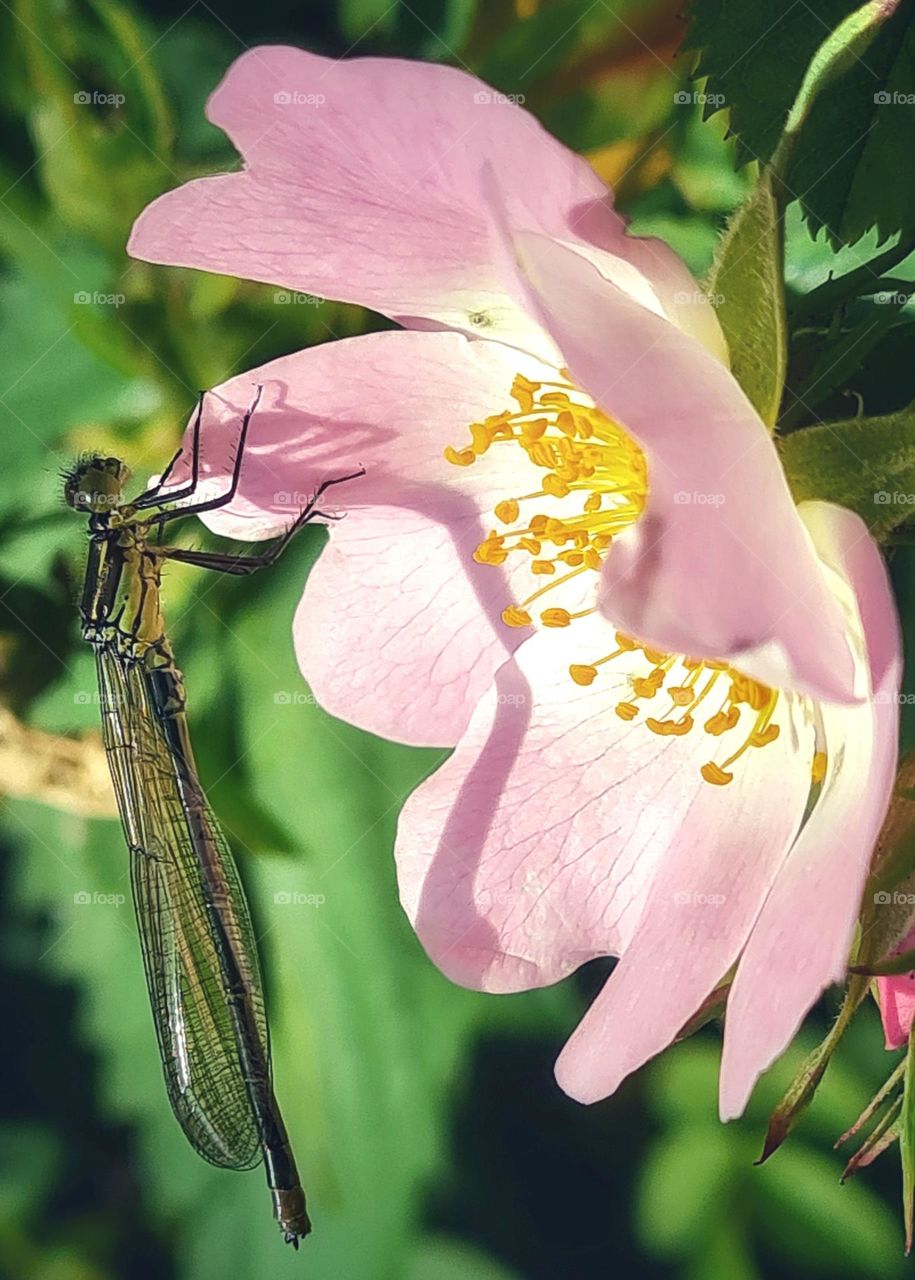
(95, 484)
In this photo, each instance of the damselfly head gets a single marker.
(95, 484)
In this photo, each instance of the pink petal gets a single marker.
(361, 183)
(557, 832)
(896, 997)
(719, 565)
(800, 943)
(399, 631)
(394, 634)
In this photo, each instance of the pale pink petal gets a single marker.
(557, 832)
(399, 631)
(719, 565)
(388, 402)
(896, 997)
(800, 943)
(361, 183)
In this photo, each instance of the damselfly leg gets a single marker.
(155, 497)
(244, 563)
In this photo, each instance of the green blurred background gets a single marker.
(433, 1140)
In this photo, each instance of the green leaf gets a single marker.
(755, 54)
(866, 464)
(851, 166)
(844, 75)
(747, 290)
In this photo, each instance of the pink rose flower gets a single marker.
(574, 559)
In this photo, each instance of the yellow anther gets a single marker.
(592, 502)
(507, 511)
(721, 721)
(627, 710)
(571, 557)
(532, 545)
(514, 616)
(555, 486)
(481, 437)
(762, 737)
(542, 566)
(667, 728)
(818, 767)
(491, 551)
(556, 617)
(523, 390)
(716, 775)
(592, 559)
(682, 695)
(582, 674)
(532, 431)
(645, 686)
(459, 457)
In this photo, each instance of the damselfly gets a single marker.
(199, 950)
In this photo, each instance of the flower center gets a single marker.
(581, 451)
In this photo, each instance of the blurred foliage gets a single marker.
(432, 1139)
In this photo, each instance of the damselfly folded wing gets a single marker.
(174, 907)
